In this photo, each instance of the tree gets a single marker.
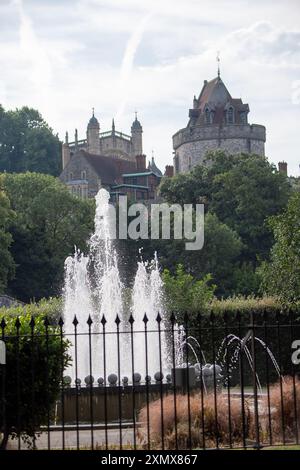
(6, 217)
(49, 222)
(242, 190)
(28, 143)
(281, 275)
(218, 257)
(36, 357)
(184, 293)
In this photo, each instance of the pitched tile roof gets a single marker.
(109, 169)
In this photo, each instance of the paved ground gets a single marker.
(70, 435)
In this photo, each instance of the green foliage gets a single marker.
(244, 306)
(28, 143)
(218, 257)
(34, 366)
(51, 308)
(184, 293)
(245, 279)
(49, 222)
(242, 190)
(281, 275)
(6, 263)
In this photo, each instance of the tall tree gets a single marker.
(49, 222)
(6, 261)
(27, 143)
(281, 275)
(242, 190)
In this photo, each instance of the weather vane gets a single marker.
(218, 60)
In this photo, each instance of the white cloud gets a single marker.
(118, 55)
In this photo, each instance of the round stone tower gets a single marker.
(216, 121)
(93, 138)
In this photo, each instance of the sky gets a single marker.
(64, 57)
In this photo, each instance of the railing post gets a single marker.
(173, 320)
(3, 388)
(241, 373)
(254, 378)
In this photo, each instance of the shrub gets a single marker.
(51, 308)
(214, 429)
(32, 375)
(285, 407)
(183, 292)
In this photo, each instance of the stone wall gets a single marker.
(191, 145)
(193, 153)
(73, 174)
(116, 146)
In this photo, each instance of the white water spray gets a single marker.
(93, 288)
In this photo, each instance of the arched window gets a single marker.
(83, 175)
(70, 176)
(230, 115)
(207, 116)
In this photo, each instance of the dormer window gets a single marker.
(230, 115)
(243, 117)
(207, 116)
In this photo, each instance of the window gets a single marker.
(70, 176)
(176, 163)
(230, 115)
(83, 175)
(243, 117)
(207, 116)
(190, 163)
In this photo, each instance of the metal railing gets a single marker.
(199, 381)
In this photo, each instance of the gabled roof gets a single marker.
(109, 169)
(214, 93)
(215, 96)
(152, 167)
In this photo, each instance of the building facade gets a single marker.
(110, 160)
(216, 121)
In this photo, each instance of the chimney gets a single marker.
(140, 162)
(169, 171)
(282, 167)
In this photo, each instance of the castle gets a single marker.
(216, 121)
(112, 160)
(115, 160)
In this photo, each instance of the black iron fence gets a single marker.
(217, 381)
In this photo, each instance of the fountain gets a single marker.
(93, 289)
(226, 360)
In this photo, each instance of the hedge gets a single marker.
(31, 378)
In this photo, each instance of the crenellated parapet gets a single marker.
(217, 132)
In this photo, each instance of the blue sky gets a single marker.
(64, 57)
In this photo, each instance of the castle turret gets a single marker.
(65, 151)
(93, 138)
(282, 168)
(216, 121)
(136, 137)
